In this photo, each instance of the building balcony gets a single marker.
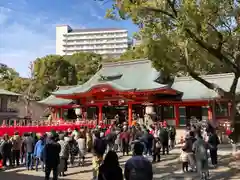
(70, 52)
(75, 37)
(102, 48)
(82, 42)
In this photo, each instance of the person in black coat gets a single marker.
(213, 142)
(110, 168)
(5, 150)
(164, 138)
(51, 157)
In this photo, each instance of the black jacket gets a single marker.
(51, 153)
(99, 147)
(189, 144)
(213, 141)
(110, 173)
(5, 148)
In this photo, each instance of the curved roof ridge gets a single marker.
(65, 87)
(10, 93)
(121, 63)
(209, 76)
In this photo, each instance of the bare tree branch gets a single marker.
(220, 37)
(172, 5)
(159, 11)
(234, 84)
(214, 52)
(193, 74)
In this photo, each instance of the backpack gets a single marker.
(74, 150)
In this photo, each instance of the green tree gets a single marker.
(10, 80)
(86, 64)
(52, 71)
(7, 73)
(134, 53)
(188, 37)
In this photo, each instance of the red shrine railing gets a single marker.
(59, 126)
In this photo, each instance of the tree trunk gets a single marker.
(235, 121)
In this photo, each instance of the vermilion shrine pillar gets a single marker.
(177, 116)
(212, 113)
(130, 114)
(100, 116)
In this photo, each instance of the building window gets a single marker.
(168, 112)
(221, 109)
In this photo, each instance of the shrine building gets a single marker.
(133, 88)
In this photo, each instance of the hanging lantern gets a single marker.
(121, 101)
(104, 89)
(78, 111)
(149, 109)
(65, 113)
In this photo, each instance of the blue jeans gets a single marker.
(29, 160)
(38, 161)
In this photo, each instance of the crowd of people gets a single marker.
(200, 144)
(56, 151)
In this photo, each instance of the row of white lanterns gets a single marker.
(149, 110)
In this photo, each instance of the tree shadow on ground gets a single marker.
(168, 171)
(226, 175)
(16, 176)
(79, 172)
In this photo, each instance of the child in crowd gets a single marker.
(184, 160)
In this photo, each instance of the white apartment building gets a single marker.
(104, 41)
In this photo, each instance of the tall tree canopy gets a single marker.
(188, 36)
(51, 71)
(7, 73)
(10, 80)
(86, 64)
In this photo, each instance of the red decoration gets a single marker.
(43, 129)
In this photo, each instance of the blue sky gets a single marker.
(27, 27)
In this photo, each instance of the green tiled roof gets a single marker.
(54, 101)
(138, 75)
(193, 89)
(9, 93)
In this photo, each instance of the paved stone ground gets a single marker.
(168, 169)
